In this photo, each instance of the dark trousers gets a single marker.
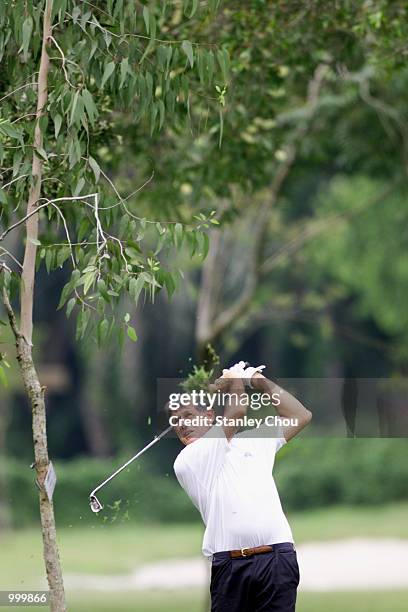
(265, 582)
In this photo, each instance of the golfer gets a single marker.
(228, 477)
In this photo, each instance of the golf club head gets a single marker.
(95, 504)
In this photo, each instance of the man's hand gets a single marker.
(243, 370)
(289, 407)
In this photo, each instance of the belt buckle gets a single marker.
(242, 552)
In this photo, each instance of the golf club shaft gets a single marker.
(156, 439)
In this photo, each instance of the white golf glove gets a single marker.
(240, 370)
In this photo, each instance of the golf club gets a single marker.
(94, 502)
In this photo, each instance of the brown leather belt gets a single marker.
(248, 552)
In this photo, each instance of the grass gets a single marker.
(340, 522)
(118, 549)
(196, 602)
(115, 549)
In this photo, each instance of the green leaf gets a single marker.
(103, 328)
(79, 186)
(82, 323)
(83, 229)
(152, 29)
(49, 259)
(210, 65)
(93, 49)
(188, 50)
(88, 279)
(40, 151)
(162, 109)
(43, 124)
(79, 324)
(193, 8)
(221, 115)
(95, 168)
(34, 241)
(57, 125)
(131, 332)
(169, 283)
(160, 243)
(204, 243)
(109, 68)
(103, 290)
(133, 254)
(27, 31)
(223, 60)
(90, 107)
(9, 130)
(70, 306)
(200, 65)
(153, 115)
(136, 286)
(124, 67)
(100, 306)
(146, 17)
(74, 107)
(65, 294)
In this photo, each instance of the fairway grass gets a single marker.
(196, 602)
(344, 522)
(119, 549)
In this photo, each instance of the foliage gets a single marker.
(129, 497)
(108, 60)
(275, 50)
(364, 251)
(361, 103)
(322, 472)
(201, 376)
(310, 473)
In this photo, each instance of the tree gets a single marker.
(309, 92)
(72, 70)
(331, 89)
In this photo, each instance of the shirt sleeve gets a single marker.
(267, 440)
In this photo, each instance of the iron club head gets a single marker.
(95, 504)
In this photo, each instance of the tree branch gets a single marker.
(9, 310)
(38, 208)
(318, 226)
(229, 315)
(28, 273)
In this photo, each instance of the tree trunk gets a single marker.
(23, 336)
(211, 325)
(35, 394)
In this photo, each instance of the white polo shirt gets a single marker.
(232, 486)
